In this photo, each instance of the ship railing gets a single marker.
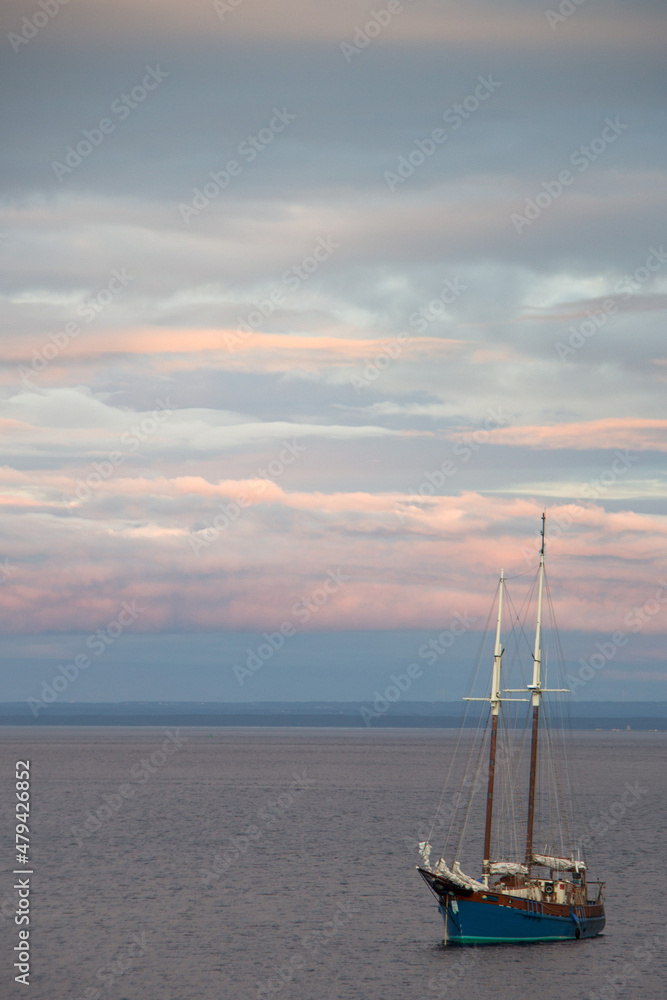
(600, 893)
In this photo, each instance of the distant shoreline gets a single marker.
(606, 716)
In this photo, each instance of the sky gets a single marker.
(309, 310)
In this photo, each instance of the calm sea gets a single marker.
(252, 863)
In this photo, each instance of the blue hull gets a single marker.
(486, 923)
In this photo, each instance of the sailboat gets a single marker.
(542, 893)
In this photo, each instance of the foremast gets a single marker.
(494, 701)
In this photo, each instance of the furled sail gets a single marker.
(507, 868)
(471, 883)
(559, 864)
(458, 877)
(425, 851)
(454, 875)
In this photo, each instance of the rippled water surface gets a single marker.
(252, 863)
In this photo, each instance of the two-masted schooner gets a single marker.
(542, 893)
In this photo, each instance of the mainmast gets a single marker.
(536, 689)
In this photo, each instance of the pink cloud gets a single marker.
(409, 566)
(610, 432)
(482, 25)
(191, 349)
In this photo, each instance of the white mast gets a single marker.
(495, 702)
(535, 687)
(498, 654)
(537, 691)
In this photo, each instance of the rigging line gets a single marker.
(508, 830)
(472, 791)
(556, 803)
(517, 576)
(505, 827)
(566, 741)
(563, 812)
(519, 626)
(512, 832)
(520, 616)
(514, 741)
(501, 760)
(522, 764)
(459, 802)
(558, 772)
(520, 736)
(455, 804)
(511, 640)
(509, 823)
(477, 744)
(550, 778)
(464, 728)
(471, 734)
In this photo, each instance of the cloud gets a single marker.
(609, 432)
(168, 412)
(515, 26)
(241, 554)
(575, 310)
